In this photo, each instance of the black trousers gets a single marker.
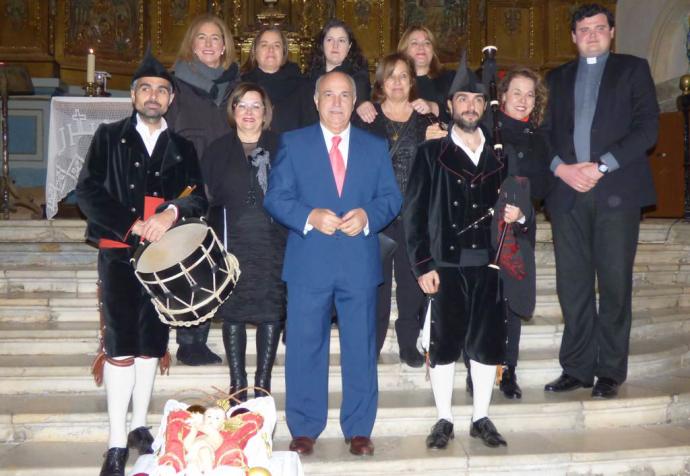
(513, 329)
(592, 242)
(132, 325)
(408, 294)
(468, 314)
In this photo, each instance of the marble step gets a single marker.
(653, 400)
(23, 374)
(72, 306)
(648, 450)
(61, 231)
(540, 333)
(652, 267)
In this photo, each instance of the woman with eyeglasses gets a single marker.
(268, 66)
(205, 74)
(236, 170)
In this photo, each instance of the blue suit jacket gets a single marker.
(302, 179)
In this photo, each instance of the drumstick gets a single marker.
(187, 191)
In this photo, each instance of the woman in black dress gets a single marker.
(236, 169)
(404, 128)
(523, 98)
(336, 49)
(433, 82)
(268, 66)
(205, 73)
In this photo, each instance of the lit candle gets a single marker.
(90, 67)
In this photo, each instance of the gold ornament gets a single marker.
(685, 84)
(258, 471)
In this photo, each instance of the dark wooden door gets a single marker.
(666, 160)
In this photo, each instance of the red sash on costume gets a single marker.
(151, 203)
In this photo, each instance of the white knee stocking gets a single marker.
(483, 383)
(119, 382)
(141, 395)
(442, 377)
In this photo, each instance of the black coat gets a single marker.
(443, 196)
(626, 124)
(436, 90)
(237, 215)
(224, 171)
(362, 85)
(111, 186)
(195, 116)
(290, 93)
(527, 154)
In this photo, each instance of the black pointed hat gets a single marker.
(151, 67)
(465, 79)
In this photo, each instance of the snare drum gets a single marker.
(188, 273)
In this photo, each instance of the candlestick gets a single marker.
(90, 67)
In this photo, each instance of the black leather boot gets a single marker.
(509, 385)
(267, 338)
(115, 461)
(235, 343)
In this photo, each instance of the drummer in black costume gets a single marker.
(129, 189)
(236, 169)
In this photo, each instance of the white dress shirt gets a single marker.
(150, 138)
(344, 148)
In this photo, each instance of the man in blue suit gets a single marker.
(333, 186)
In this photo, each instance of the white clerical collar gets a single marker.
(595, 59)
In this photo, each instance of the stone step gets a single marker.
(653, 400)
(654, 267)
(647, 449)
(73, 306)
(540, 333)
(73, 230)
(70, 373)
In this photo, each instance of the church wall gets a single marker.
(52, 37)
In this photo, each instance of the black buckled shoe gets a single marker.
(605, 388)
(485, 429)
(565, 383)
(140, 439)
(441, 434)
(509, 385)
(115, 461)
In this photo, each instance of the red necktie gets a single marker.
(337, 164)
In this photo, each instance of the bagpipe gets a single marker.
(514, 190)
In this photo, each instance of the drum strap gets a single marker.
(151, 203)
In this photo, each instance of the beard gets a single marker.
(467, 122)
(151, 115)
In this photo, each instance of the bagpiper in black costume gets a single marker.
(450, 189)
(133, 166)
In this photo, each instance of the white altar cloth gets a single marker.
(73, 121)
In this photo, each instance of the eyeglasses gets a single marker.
(249, 107)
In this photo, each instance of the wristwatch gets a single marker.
(602, 167)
